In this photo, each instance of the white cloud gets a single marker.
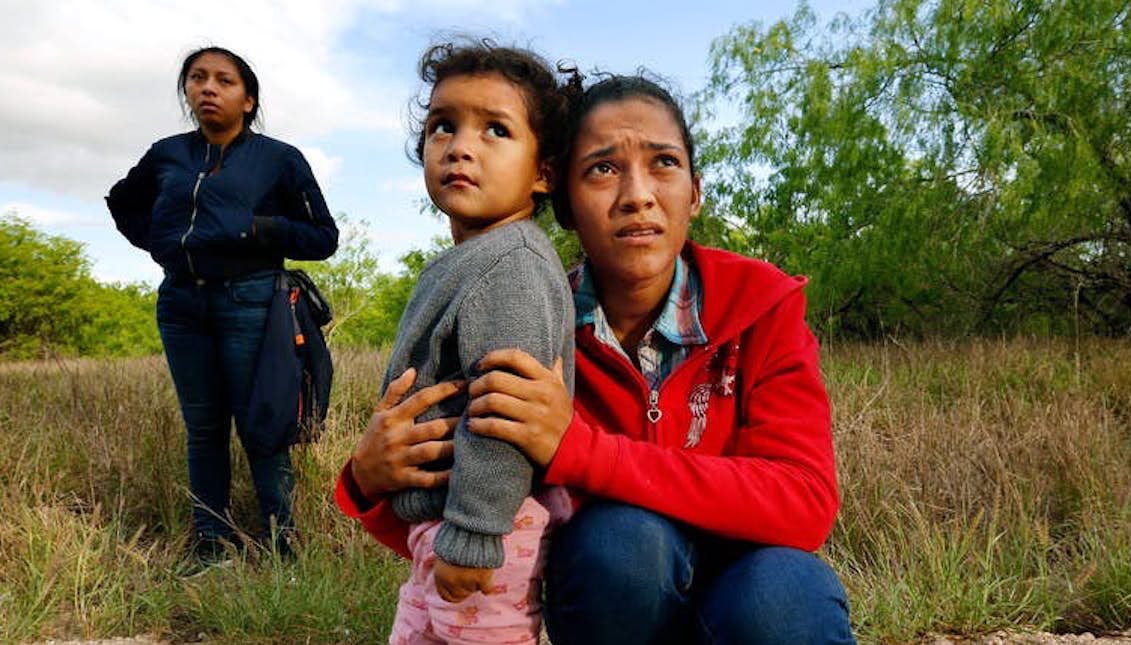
(406, 185)
(86, 86)
(49, 217)
(322, 165)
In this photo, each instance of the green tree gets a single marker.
(937, 166)
(41, 288)
(367, 301)
(121, 320)
(49, 303)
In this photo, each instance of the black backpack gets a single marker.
(290, 394)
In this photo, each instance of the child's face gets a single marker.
(480, 156)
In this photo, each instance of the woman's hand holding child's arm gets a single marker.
(520, 401)
(389, 454)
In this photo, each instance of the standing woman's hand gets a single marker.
(520, 401)
(389, 455)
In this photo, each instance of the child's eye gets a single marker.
(441, 126)
(498, 130)
(668, 161)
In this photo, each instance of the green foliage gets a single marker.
(121, 321)
(50, 303)
(41, 283)
(565, 242)
(367, 302)
(936, 167)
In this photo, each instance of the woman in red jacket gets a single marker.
(699, 440)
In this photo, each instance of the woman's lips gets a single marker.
(639, 230)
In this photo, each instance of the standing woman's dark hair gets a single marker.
(219, 209)
(246, 74)
(612, 88)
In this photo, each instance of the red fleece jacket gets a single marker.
(743, 443)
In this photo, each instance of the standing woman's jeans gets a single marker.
(211, 334)
(620, 574)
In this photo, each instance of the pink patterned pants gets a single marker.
(513, 614)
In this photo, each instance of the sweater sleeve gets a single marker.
(131, 201)
(518, 303)
(304, 230)
(778, 486)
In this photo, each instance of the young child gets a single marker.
(494, 125)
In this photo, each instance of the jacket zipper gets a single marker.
(306, 202)
(192, 216)
(192, 222)
(653, 413)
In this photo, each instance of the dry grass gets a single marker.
(985, 485)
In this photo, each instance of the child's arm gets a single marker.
(522, 302)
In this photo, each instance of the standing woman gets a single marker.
(219, 208)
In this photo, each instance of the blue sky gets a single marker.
(87, 86)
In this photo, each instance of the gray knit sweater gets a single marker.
(503, 288)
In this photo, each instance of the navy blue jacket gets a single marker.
(203, 213)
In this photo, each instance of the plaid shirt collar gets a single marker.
(678, 323)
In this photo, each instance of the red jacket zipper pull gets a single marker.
(654, 411)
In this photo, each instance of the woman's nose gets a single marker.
(636, 192)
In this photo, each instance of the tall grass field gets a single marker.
(985, 485)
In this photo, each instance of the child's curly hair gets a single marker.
(546, 104)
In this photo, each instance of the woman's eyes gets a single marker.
(201, 77)
(601, 168)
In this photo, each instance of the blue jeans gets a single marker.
(211, 335)
(620, 574)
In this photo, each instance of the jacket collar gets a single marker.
(244, 135)
(737, 290)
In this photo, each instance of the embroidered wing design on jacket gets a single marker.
(697, 402)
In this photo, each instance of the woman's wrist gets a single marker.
(363, 500)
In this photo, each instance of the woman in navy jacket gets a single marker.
(219, 208)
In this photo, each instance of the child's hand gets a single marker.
(454, 583)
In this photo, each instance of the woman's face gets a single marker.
(631, 191)
(216, 93)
